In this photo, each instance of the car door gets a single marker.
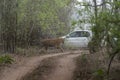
(84, 39)
(77, 39)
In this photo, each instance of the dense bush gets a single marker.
(6, 59)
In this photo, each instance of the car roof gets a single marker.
(82, 30)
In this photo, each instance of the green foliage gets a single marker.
(99, 75)
(8, 24)
(41, 18)
(74, 23)
(6, 59)
(24, 22)
(99, 72)
(105, 22)
(84, 58)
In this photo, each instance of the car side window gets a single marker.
(80, 34)
(75, 34)
(85, 34)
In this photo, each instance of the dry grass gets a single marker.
(94, 67)
(34, 51)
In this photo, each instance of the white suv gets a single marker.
(77, 39)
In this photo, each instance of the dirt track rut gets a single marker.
(65, 68)
(63, 71)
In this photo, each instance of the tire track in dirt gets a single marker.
(64, 69)
(29, 65)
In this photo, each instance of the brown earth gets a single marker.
(62, 70)
(65, 68)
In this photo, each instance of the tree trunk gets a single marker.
(9, 25)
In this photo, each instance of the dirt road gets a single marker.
(63, 69)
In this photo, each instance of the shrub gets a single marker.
(6, 59)
(99, 75)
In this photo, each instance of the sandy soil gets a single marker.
(63, 71)
(65, 68)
